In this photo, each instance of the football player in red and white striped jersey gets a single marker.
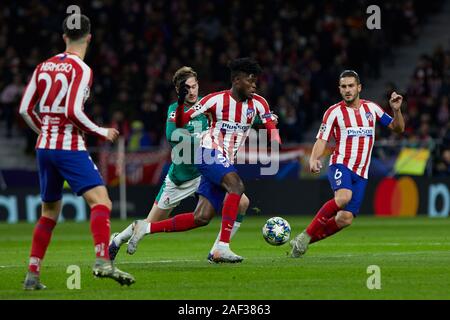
(60, 86)
(231, 114)
(352, 124)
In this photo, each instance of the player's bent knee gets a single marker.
(244, 204)
(237, 188)
(344, 219)
(232, 183)
(343, 199)
(51, 210)
(98, 196)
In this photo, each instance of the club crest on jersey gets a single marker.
(250, 113)
(87, 92)
(369, 116)
(167, 201)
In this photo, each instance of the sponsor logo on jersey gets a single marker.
(360, 132)
(323, 127)
(49, 120)
(197, 107)
(234, 126)
(267, 116)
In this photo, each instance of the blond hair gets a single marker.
(182, 75)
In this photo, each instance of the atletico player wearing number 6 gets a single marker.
(60, 85)
(352, 124)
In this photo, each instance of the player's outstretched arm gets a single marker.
(314, 161)
(74, 104)
(398, 123)
(29, 100)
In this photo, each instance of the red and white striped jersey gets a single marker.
(354, 132)
(230, 120)
(60, 85)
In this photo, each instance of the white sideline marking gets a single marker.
(389, 244)
(124, 262)
(321, 256)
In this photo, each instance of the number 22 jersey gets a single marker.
(60, 86)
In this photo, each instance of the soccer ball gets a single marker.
(276, 231)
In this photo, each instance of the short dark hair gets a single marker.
(76, 33)
(244, 65)
(350, 73)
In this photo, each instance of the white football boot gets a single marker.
(139, 231)
(300, 244)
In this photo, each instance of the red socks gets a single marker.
(328, 229)
(229, 213)
(100, 228)
(180, 222)
(328, 210)
(324, 223)
(41, 238)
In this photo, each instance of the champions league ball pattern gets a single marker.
(276, 231)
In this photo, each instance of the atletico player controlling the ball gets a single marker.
(352, 124)
(60, 85)
(183, 179)
(231, 113)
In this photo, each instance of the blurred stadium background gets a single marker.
(302, 46)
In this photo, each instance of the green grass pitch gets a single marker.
(413, 255)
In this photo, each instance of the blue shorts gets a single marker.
(341, 177)
(213, 166)
(76, 167)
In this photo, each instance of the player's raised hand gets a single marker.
(315, 166)
(182, 92)
(396, 101)
(112, 134)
